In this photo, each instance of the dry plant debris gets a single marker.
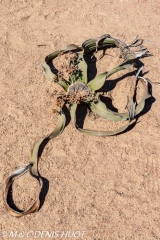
(72, 76)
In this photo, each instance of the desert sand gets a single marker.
(95, 188)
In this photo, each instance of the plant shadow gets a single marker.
(42, 195)
(91, 60)
(11, 201)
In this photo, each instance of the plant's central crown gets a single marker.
(78, 92)
(80, 88)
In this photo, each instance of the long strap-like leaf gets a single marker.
(48, 67)
(95, 132)
(145, 95)
(103, 111)
(94, 44)
(48, 59)
(103, 133)
(99, 80)
(33, 168)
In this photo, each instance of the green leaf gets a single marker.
(107, 133)
(80, 74)
(99, 80)
(82, 67)
(145, 95)
(48, 59)
(46, 65)
(71, 47)
(92, 44)
(106, 40)
(47, 71)
(73, 108)
(89, 46)
(126, 65)
(51, 56)
(60, 126)
(34, 152)
(50, 76)
(103, 133)
(63, 83)
(101, 109)
(33, 168)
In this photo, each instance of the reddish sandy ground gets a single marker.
(107, 187)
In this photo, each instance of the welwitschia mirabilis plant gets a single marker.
(77, 89)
